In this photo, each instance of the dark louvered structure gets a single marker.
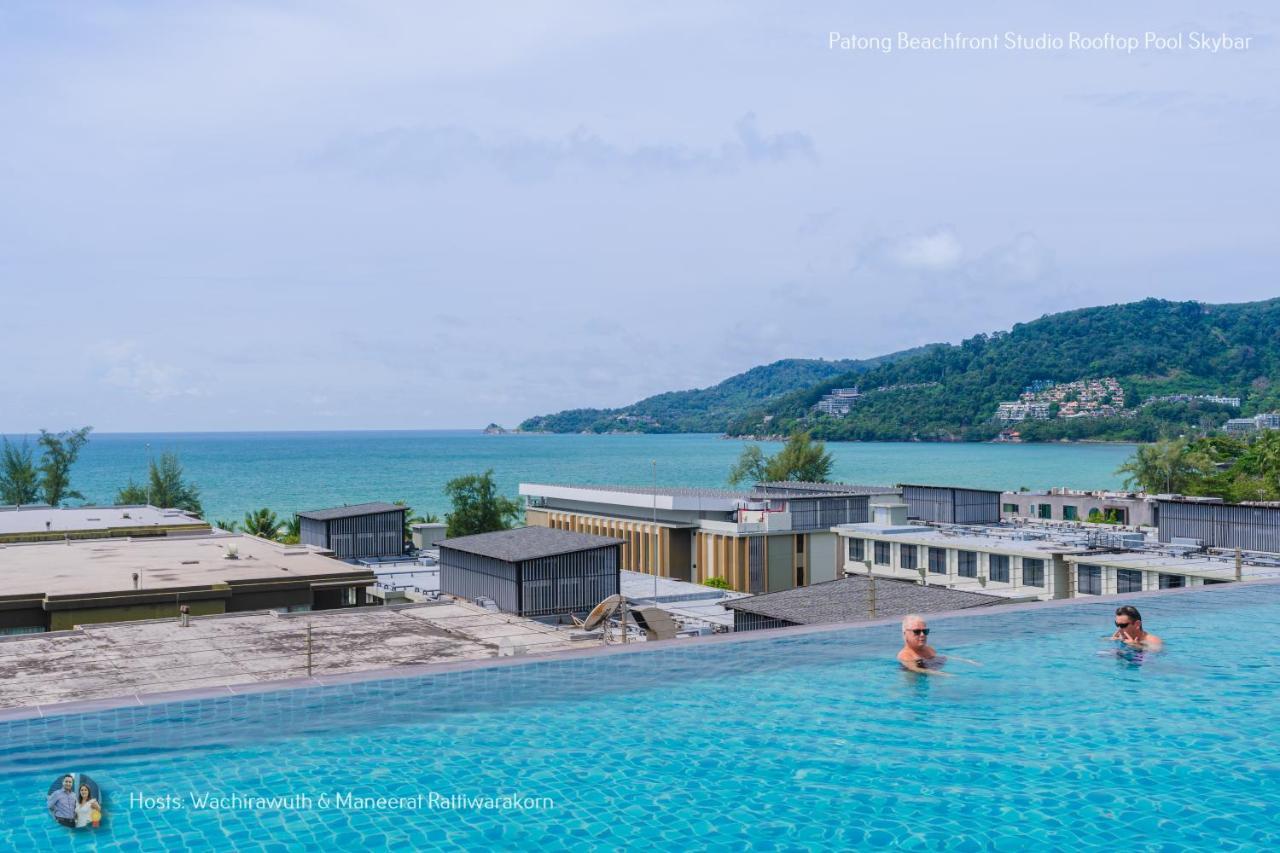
(356, 532)
(532, 571)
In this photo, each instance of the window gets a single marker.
(799, 544)
(938, 561)
(1032, 572)
(998, 567)
(1070, 513)
(349, 597)
(968, 564)
(1128, 580)
(1013, 508)
(858, 549)
(1089, 580)
(907, 556)
(1046, 511)
(1172, 581)
(882, 553)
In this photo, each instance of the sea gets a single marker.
(237, 472)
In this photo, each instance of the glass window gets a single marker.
(1172, 581)
(1070, 513)
(1013, 508)
(938, 561)
(1032, 572)
(907, 556)
(1128, 580)
(968, 564)
(998, 567)
(1089, 580)
(858, 549)
(1046, 511)
(799, 544)
(882, 553)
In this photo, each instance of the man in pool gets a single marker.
(1129, 630)
(917, 655)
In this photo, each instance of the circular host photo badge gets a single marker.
(75, 801)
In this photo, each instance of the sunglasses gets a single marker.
(918, 631)
(1123, 624)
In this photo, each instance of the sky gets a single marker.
(321, 215)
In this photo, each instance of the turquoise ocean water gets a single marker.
(287, 472)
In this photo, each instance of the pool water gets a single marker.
(794, 742)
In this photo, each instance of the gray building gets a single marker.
(848, 600)
(951, 505)
(355, 532)
(1057, 504)
(1251, 527)
(532, 571)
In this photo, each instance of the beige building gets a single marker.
(52, 586)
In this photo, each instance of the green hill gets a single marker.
(707, 409)
(1154, 347)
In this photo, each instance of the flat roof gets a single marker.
(159, 655)
(527, 543)
(351, 511)
(825, 489)
(1015, 541)
(848, 600)
(44, 519)
(1215, 567)
(88, 567)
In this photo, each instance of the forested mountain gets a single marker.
(947, 392)
(1153, 347)
(708, 409)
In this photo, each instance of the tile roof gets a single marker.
(526, 543)
(350, 511)
(847, 600)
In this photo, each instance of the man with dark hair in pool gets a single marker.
(1129, 630)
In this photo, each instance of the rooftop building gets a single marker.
(849, 599)
(770, 537)
(43, 523)
(532, 571)
(355, 532)
(52, 586)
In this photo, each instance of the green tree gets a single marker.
(19, 479)
(801, 459)
(477, 506)
(291, 531)
(165, 487)
(59, 452)
(409, 520)
(229, 526)
(1172, 465)
(262, 523)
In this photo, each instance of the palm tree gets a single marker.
(291, 530)
(262, 523)
(229, 526)
(1166, 466)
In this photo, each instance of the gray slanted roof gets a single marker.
(527, 543)
(350, 511)
(846, 600)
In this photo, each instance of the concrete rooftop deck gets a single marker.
(136, 658)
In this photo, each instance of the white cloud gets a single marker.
(936, 250)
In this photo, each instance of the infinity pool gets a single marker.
(793, 742)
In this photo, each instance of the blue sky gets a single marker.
(311, 215)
